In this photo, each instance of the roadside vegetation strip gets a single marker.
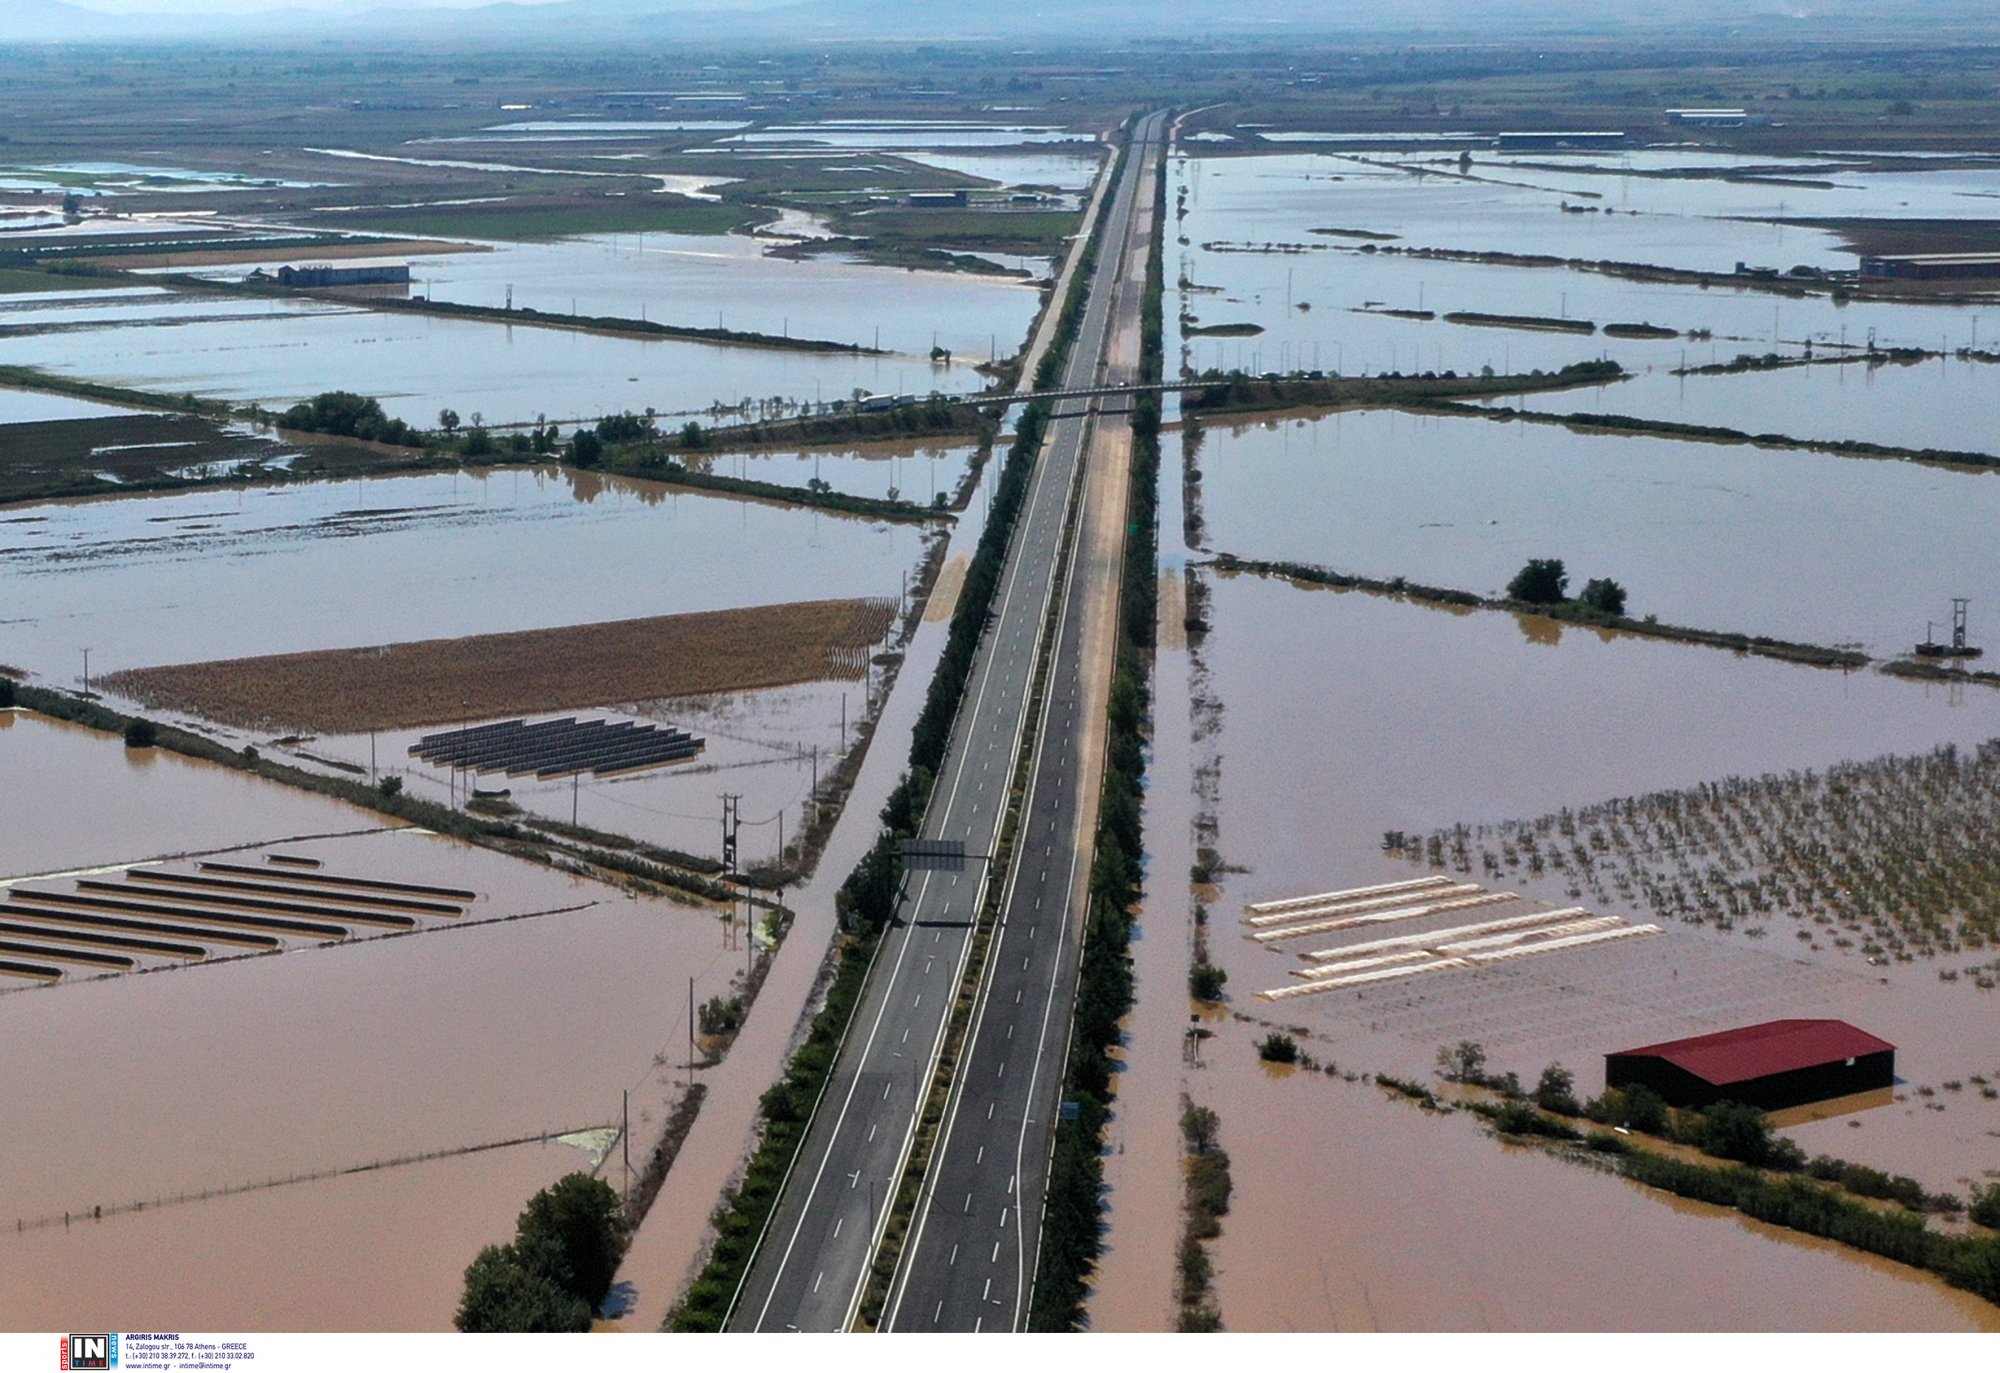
(444, 681)
(1072, 1224)
(1240, 392)
(1568, 612)
(1586, 422)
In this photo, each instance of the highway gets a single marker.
(813, 1261)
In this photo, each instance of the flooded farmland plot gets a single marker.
(417, 365)
(172, 804)
(728, 281)
(1315, 263)
(771, 748)
(1794, 545)
(1405, 1221)
(40, 407)
(142, 580)
(1323, 720)
(918, 472)
(237, 1262)
(448, 1040)
(1939, 402)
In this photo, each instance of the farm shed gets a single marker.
(1771, 1066)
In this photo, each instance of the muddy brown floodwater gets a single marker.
(1354, 1211)
(554, 996)
(1321, 720)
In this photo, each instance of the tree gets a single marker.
(1200, 1126)
(141, 734)
(1603, 594)
(448, 421)
(1464, 1061)
(1556, 1092)
(6, 692)
(503, 1295)
(585, 448)
(1543, 581)
(478, 442)
(580, 1215)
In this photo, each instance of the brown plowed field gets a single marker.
(441, 681)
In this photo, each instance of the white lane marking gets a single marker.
(996, 1252)
(818, 1278)
(980, 1157)
(954, 1255)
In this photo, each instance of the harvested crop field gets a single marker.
(439, 681)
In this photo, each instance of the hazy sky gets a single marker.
(251, 6)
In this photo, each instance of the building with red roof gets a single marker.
(1771, 1066)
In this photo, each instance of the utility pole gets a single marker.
(86, 675)
(625, 1132)
(690, 1034)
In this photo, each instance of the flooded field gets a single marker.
(35, 407)
(327, 1058)
(920, 134)
(1389, 684)
(141, 580)
(1941, 403)
(1252, 256)
(236, 1263)
(173, 805)
(1408, 1222)
(1062, 171)
(1793, 545)
(726, 280)
(910, 471)
(275, 353)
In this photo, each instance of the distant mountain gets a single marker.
(46, 21)
(575, 22)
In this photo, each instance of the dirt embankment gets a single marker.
(441, 681)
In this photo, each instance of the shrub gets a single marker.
(1277, 1047)
(1986, 1206)
(6, 692)
(390, 786)
(1205, 982)
(141, 734)
(1556, 1091)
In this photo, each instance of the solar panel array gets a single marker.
(557, 748)
(220, 909)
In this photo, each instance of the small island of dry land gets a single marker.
(439, 681)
